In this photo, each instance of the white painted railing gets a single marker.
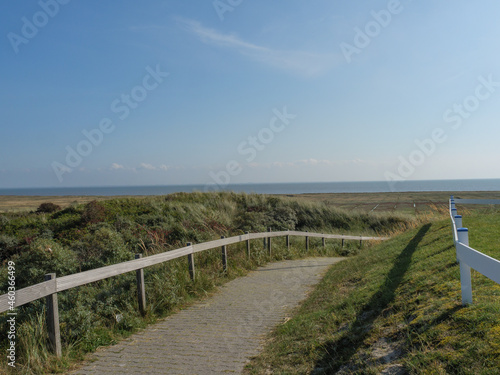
(467, 256)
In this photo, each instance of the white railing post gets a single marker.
(466, 284)
(458, 221)
(454, 212)
(463, 235)
(452, 202)
(465, 277)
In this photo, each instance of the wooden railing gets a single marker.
(52, 285)
(467, 256)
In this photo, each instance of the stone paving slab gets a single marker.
(219, 334)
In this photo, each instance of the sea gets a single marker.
(269, 188)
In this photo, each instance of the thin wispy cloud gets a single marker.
(147, 166)
(164, 167)
(115, 166)
(142, 166)
(301, 62)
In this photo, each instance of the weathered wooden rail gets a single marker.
(49, 288)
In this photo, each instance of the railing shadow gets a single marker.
(348, 344)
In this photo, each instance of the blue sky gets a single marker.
(231, 91)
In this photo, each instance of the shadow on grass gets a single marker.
(341, 351)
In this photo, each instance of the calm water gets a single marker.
(282, 188)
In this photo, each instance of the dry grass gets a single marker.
(17, 203)
(407, 202)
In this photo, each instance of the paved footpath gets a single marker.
(219, 334)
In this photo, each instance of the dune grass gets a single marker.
(396, 307)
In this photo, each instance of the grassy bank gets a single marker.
(397, 307)
(83, 237)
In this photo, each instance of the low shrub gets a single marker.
(94, 212)
(44, 256)
(4, 220)
(48, 208)
(9, 246)
(100, 247)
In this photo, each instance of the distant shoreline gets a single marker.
(489, 185)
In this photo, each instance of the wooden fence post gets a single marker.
(360, 241)
(141, 290)
(224, 256)
(324, 244)
(288, 242)
(342, 241)
(307, 242)
(191, 263)
(53, 320)
(269, 242)
(248, 245)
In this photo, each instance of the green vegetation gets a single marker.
(397, 307)
(48, 208)
(99, 233)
